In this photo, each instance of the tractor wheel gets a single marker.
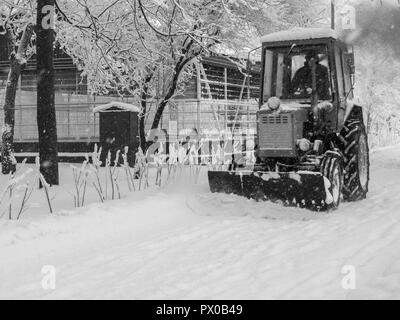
(332, 169)
(356, 161)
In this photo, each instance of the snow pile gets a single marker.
(300, 34)
(116, 104)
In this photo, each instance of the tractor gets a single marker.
(311, 146)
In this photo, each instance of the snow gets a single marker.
(287, 106)
(20, 59)
(183, 242)
(300, 34)
(295, 176)
(270, 175)
(116, 104)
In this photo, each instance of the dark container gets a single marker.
(119, 127)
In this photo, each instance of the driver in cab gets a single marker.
(302, 80)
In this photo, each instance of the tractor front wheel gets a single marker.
(356, 161)
(332, 169)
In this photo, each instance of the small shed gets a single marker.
(119, 128)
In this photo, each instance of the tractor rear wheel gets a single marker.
(332, 169)
(356, 161)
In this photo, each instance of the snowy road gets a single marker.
(192, 244)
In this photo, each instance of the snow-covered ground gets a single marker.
(182, 242)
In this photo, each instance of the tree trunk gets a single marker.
(179, 66)
(46, 114)
(17, 64)
(142, 124)
(170, 93)
(142, 134)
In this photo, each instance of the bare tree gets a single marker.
(17, 25)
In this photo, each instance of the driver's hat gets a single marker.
(312, 54)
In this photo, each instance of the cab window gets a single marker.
(288, 73)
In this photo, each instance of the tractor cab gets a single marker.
(291, 59)
(306, 83)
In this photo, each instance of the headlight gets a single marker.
(325, 105)
(274, 103)
(304, 144)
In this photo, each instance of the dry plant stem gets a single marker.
(112, 183)
(117, 187)
(76, 181)
(169, 168)
(84, 190)
(158, 178)
(128, 181)
(147, 175)
(45, 187)
(140, 178)
(23, 202)
(114, 176)
(100, 188)
(10, 204)
(198, 169)
(98, 192)
(107, 166)
(27, 195)
(132, 178)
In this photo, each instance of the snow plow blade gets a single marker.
(297, 189)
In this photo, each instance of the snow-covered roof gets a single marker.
(116, 104)
(300, 34)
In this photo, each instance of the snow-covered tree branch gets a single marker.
(121, 45)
